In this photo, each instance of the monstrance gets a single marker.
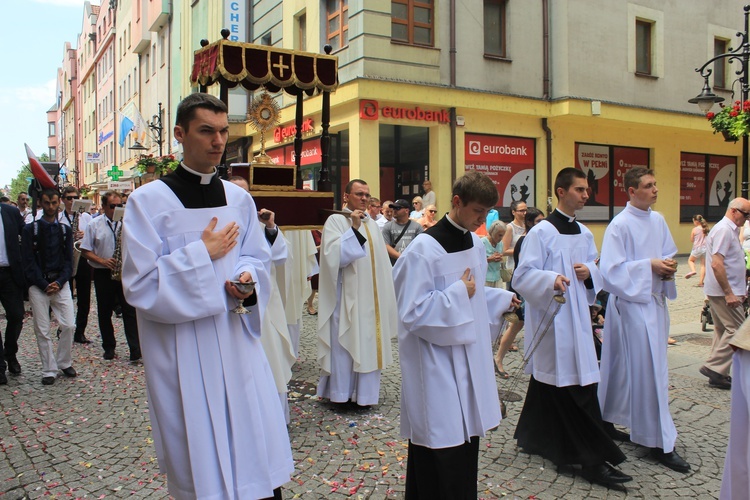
(263, 115)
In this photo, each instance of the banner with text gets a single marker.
(707, 184)
(508, 161)
(605, 168)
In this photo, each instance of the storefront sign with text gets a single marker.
(508, 161)
(281, 134)
(372, 110)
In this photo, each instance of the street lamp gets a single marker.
(156, 125)
(706, 99)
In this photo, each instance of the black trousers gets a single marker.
(108, 292)
(564, 425)
(442, 474)
(83, 291)
(11, 297)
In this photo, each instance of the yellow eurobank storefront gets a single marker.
(395, 135)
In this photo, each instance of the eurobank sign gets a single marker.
(372, 110)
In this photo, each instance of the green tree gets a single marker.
(20, 183)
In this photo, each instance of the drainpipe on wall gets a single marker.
(453, 85)
(546, 96)
(548, 137)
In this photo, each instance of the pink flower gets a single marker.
(710, 115)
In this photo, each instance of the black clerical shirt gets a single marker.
(451, 238)
(564, 225)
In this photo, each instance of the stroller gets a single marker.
(706, 318)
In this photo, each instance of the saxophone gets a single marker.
(76, 243)
(117, 271)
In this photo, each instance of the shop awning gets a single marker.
(252, 66)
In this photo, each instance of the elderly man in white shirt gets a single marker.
(725, 287)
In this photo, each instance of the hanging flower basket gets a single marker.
(732, 122)
(728, 137)
(150, 164)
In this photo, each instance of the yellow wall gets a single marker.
(664, 134)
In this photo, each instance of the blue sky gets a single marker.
(34, 33)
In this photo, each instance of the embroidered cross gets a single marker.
(281, 66)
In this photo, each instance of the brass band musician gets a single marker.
(100, 246)
(82, 272)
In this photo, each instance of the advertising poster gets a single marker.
(508, 161)
(593, 160)
(707, 184)
(721, 181)
(692, 185)
(605, 168)
(624, 160)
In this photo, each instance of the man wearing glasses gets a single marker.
(98, 247)
(354, 335)
(83, 273)
(23, 204)
(725, 287)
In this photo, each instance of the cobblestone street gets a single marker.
(89, 437)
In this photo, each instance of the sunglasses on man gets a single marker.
(112, 206)
(72, 197)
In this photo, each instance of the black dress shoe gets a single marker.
(48, 380)
(81, 339)
(671, 460)
(616, 434)
(715, 379)
(605, 475)
(135, 356)
(70, 372)
(109, 354)
(3, 379)
(13, 366)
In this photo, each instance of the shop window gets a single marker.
(605, 168)
(337, 24)
(707, 185)
(643, 47)
(412, 22)
(494, 28)
(720, 65)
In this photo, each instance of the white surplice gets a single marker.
(566, 354)
(635, 375)
(292, 279)
(448, 387)
(354, 336)
(218, 427)
(274, 333)
(735, 483)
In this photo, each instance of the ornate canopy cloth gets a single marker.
(253, 66)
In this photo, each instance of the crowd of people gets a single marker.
(212, 292)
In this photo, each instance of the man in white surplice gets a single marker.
(218, 426)
(561, 419)
(446, 318)
(638, 272)
(357, 303)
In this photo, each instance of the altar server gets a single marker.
(638, 272)
(218, 427)
(446, 318)
(561, 419)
